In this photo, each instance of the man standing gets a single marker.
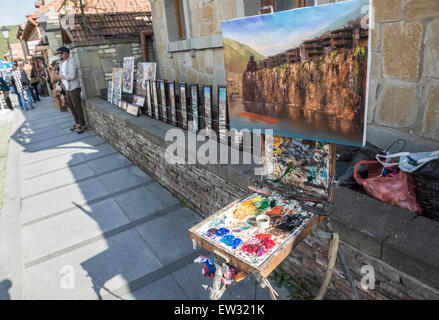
(69, 76)
(22, 84)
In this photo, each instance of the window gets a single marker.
(175, 20)
(281, 5)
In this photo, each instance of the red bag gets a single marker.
(397, 190)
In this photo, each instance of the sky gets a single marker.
(14, 12)
(270, 34)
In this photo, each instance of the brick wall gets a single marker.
(207, 190)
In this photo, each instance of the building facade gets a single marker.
(403, 93)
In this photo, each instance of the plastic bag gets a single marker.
(407, 161)
(396, 188)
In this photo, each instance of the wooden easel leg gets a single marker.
(217, 291)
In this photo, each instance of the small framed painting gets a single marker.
(163, 100)
(222, 114)
(194, 107)
(128, 74)
(117, 85)
(110, 92)
(138, 101)
(122, 105)
(132, 109)
(155, 99)
(183, 105)
(171, 88)
(207, 94)
(145, 71)
(148, 97)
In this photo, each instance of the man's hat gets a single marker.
(63, 49)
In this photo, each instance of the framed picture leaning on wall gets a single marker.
(223, 124)
(194, 107)
(207, 99)
(155, 99)
(148, 97)
(171, 90)
(163, 100)
(128, 74)
(182, 86)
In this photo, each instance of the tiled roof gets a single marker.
(98, 6)
(105, 26)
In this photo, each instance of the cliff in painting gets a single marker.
(300, 72)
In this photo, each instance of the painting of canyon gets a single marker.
(301, 72)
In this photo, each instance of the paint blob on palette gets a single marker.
(236, 231)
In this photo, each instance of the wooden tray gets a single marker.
(274, 258)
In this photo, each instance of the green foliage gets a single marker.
(12, 39)
(360, 53)
(283, 279)
(333, 54)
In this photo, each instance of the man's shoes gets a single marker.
(32, 107)
(74, 127)
(81, 130)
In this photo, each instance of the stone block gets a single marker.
(375, 66)
(413, 249)
(431, 50)
(364, 222)
(401, 50)
(107, 65)
(397, 105)
(387, 10)
(431, 118)
(123, 50)
(418, 9)
(88, 59)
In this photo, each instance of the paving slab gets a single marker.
(57, 141)
(118, 180)
(70, 229)
(49, 203)
(164, 289)
(115, 161)
(104, 265)
(56, 179)
(144, 201)
(52, 152)
(176, 225)
(66, 161)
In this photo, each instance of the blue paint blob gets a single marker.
(222, 231)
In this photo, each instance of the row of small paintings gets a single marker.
(123, 79)
(163, 101)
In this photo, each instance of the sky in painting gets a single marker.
(270, 34)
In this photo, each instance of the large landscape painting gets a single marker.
(301, 72)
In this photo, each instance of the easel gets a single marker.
(224, 259)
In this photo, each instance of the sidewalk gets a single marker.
(80, 221)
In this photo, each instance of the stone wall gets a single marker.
(203, 66)
(400, 246)
(96, 60)
(404, 81)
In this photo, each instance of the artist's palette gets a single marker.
(235, 231)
